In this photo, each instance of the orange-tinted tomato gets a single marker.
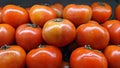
(85, 58)
(92, 34)
(39, 14)
(14, 15)
(44, 57)
(58, 32)
(12, 56)
(7, 33)
(1, 21)
(117, 12)
(112, 53)
(78, 14)
(101, 11)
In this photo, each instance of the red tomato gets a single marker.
(12, 56)
(113, 27)
(85, 58)
(58, 8)
(101, 11)
(1, 21)
(112, 53)
(39, 14)
(14, 15)
(44, 57)
(117, 12)
(7, 33)
(92, 34)
(78, 14)
(28, 36)
(58, 32)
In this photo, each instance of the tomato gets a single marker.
(28, 36)
(92, 34)
(112, 53)
(58, 8)
(1, 21)
(7, 33)
(58, 32)
(14, 15)
(117, 12)
(39, 14)
(44, 57)
(65, 64)
(113, 27)
(12, 56)
(78, 14)
(101, 11)
(83, 57)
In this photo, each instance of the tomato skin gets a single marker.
(58, 32)
(113, 26)
(58, 8)
(28, 36)
(7, 33)
(78, 14)
(12, 57)
(14, 15)
(1, 21)
(39, 14)
(117, 12)
(112, 53)
(92, 34)
(101, 11)
(45, 57)
(65, 64)
(85, 58)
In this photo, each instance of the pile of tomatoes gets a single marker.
(57, 36)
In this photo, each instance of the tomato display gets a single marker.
(77, 14)
(46, 56)
(84, 57)
(28, 36)
(7, 34)
(92, 34)
(101, 11)
(59, 32)
(39, 14)
(112, 53)
(12, 56)
(14, 15)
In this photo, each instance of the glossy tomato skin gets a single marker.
(39, 14)
(28, 36)
(7, 33)
(58, 8)
(85, 58)
(112, 53)
(92, 34)
(113, 27)
(65, 64)
(12, 57)
(101, 11)
(117, 12)
(46, 57)
(58, 32)
(78, 14)
(14, 15)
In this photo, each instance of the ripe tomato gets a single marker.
(44, 57)
(1, 21)
(113, 27)
(101, 11)
(112, 53)
(83, 57)
(58, 8)
(28, 36)
(14, 15)
(39, 14)
(78, 14)
(65, 64)
(92, 34)
(58, 32)
(12, 56)
(117, 12)
(7, 33)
